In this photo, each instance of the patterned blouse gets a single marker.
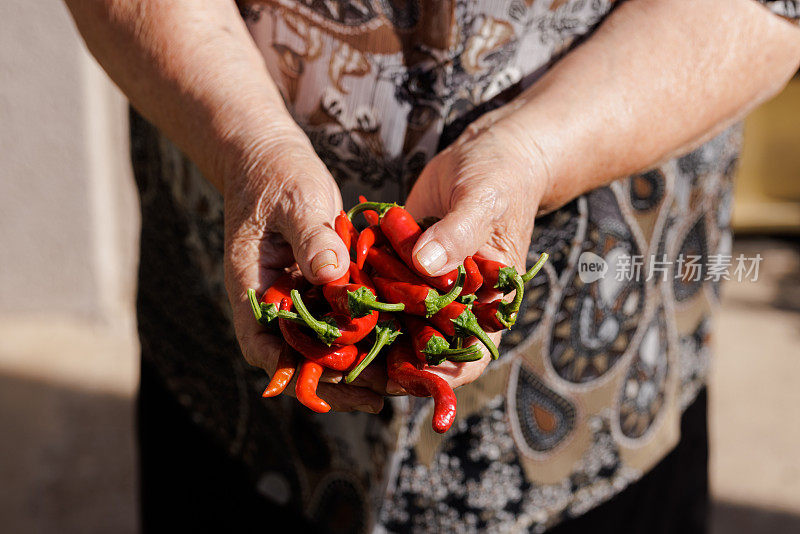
(589, 391)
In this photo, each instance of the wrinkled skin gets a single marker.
(202, 81)
(284, 221)
(486, 189)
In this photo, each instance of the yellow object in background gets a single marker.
(767, 196)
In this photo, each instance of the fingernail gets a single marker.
(367, 408)
(393, 388)
(322, 260)
(432, 256)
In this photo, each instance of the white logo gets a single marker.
(591, 267)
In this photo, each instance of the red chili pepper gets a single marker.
(474, 278)
(369, 237)
(344, 227)
(358, 276)
(356, 300)
(308, 375)
(418, 298)
(371, 216)
(386, 332)
(266, 310)
(350, 330)
(338, 358)
(402, 232)
(495, 316)
(266, 313)
(504, 278)
(498, 315)
(400, 368)
(431, 347)
(386, 265)
(282, 375)
(456, 319)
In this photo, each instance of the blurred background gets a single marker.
(68, 252)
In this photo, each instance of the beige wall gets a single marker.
(67, 209)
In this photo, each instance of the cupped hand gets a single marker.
(486, 189)
(279, 210)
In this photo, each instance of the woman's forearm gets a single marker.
(657, 78)
(192, 69)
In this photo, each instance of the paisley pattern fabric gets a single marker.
(588, 393)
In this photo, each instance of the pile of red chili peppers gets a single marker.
(345, 324)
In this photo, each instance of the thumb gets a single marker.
(462, 231)
(318, 250)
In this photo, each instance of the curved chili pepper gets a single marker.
(385, 334)
(345, 229)
(282, 375)
(338, 358)
(402, 232)
(350, 330)
(368, 237)
(305, 389)
(456, 319)
(431, 347)
(418, 298)
(371, 216)
(474, 278)
(400, 368)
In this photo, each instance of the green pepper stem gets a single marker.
(507, 311)
(254, 304)
(435, 302)
(466, 354)
(536, 266)
(384, 335)
(385, 306)
(326, 332)
(467, 324)
(506, 315)
(380, 207)
(270, 312)
(362, 302)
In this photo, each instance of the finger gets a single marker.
(459, 374)
(462, 231)
(374, 378)
(347, 398)
(253, 260)
(342, 397)
(259, 348)
(330, 376)
(306, 221)
(394, 388)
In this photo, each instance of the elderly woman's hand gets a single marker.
(279, 206)
(486, 188)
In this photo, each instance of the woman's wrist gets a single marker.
(528, 157)
(254, 156)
